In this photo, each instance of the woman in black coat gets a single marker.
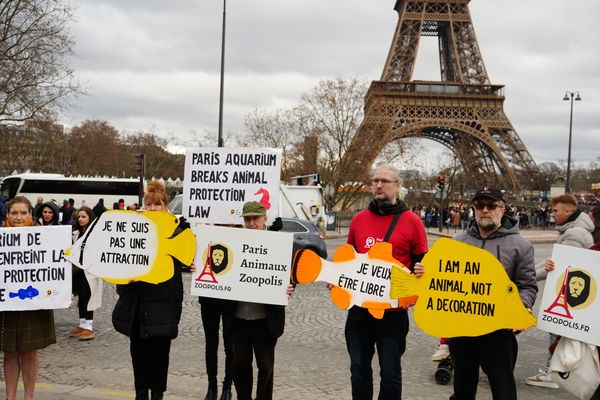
(149, 314)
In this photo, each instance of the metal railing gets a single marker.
(438, 88)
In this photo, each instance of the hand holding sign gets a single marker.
(464, 291)
(121, 246)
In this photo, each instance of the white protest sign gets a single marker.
(570, 305)
(218, 181)
(35, 275)
(131, 245)
(242, 264)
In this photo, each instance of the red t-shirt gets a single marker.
(408, 238)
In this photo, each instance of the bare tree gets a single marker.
(32, 146)
(332, 112)
(35, 43)
(276, 130)
(95, 148)
(549, 173)
(160, 163)
(206, 138)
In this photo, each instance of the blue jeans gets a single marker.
(364, 334)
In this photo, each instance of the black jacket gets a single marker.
(156, 308)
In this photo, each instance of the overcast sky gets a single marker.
(154, 64)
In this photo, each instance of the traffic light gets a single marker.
(140, 168)
(140, 164)
(440, 182)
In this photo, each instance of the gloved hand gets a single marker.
(277, 225)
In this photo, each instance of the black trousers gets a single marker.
(596, 395)
(365, 334)
(81, 287)
(211, 318)
(253, 337)
(496, 353)
(150, 359)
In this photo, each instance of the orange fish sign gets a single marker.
(358, 279)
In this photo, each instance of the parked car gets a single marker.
(306, 235)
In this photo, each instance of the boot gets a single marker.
(156, 395)
(211, 394)
(226, 394)
(142, 395)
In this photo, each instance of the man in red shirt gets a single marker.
(385, 219)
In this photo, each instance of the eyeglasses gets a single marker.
(491, 207)
(382, 181)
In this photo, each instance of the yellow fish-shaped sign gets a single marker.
(121, 246)
(464, 291)
(358, 279)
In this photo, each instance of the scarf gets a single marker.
(29, 222)
(385, 207)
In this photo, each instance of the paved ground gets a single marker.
(311, 360)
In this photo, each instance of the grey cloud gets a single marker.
(151, 62)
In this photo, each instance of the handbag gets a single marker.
(575, 367)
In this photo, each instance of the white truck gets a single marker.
(303, 202)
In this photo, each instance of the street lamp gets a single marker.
(570, 96)
(220, 133)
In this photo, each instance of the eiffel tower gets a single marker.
(463, 111)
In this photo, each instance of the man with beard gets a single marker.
(495, 352)
(385, 220)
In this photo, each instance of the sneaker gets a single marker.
(441, 353)
(75, 332)
(87, 335)
(542, 380)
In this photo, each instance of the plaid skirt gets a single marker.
(26, 330)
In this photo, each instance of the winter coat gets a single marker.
(576, 232)
(2, 208)
(157, 308)
(514, 252)
(95, 283)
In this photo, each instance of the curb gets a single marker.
(65, 392)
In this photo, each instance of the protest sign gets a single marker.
(570, 304)
(218, 181)
(358, 279)
(121, 246)
(242, 264)
(35, 274)
(464, 291)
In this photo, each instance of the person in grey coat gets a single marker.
(495, 352)
(574, 229)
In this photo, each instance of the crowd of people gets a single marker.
(149, 314)
(458, 217)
